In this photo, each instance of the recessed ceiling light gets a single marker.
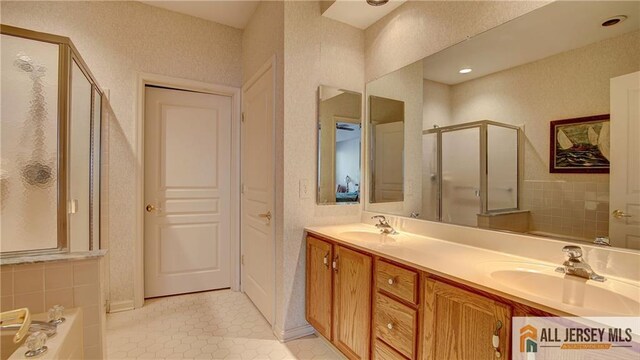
(614, 20)
(465, 71)
(377, 2)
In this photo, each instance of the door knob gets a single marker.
(619, 214)
(150, 208)
(267, 215)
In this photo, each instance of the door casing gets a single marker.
(191, 85)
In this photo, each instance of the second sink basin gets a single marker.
(611, 296)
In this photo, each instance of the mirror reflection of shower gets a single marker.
(35, 168)
(471, 172)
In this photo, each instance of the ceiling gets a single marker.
(232, 13)
(358, 13)
(552, 29)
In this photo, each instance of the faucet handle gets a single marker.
(382, 220)
(574, 252)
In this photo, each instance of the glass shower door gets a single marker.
(461, 202)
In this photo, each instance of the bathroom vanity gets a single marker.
(408, 296)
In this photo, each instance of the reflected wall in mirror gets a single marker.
(556, 62)
(339, 143)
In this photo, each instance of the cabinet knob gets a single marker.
(325, 260)
(391, 281)
(390, 326)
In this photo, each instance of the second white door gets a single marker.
(187, 191)
(258, 271)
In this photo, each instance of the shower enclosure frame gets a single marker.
(67, 55)
(483, 126)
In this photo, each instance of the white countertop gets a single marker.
(526, 280)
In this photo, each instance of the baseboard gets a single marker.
(118, 306)
(295, 333)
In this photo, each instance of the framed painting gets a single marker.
(580, 145)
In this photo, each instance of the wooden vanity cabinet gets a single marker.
(396, 311)
(338, 291)
(352, 303)
(319, 292)
(373, 307)
(459, 324)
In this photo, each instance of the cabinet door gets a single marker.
(319, 297)
(352, 301)
(459, 324)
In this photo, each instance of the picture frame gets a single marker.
(580, 145)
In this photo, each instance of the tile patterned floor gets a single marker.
(211, 325)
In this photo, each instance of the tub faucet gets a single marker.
(576, 266)
(384, 226)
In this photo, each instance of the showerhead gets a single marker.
(26, 64)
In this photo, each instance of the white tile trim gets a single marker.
(292, 334)
(119, 306)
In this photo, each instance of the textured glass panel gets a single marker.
(28, 148)
(502, 172)
(79, 159)
(461, 176)
(95, 169)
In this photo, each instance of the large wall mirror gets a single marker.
(530, 127)
(339, 143)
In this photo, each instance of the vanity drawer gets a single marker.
(396, 324)
(398, 281)
(383, 351)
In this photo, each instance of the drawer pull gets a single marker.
(390, 326)
(495, 339)
(391, 281)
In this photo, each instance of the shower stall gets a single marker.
(470, 170)
(50, 138)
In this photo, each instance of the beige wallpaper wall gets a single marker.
(117, 40)
(317, 51)
(420, 28)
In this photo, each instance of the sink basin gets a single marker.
(369, 236)
(611, 296)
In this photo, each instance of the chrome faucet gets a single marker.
(384, 226)
(602, 240)
(576, 266)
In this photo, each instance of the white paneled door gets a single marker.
(624, 223)
(257, 236)
(187, 191)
